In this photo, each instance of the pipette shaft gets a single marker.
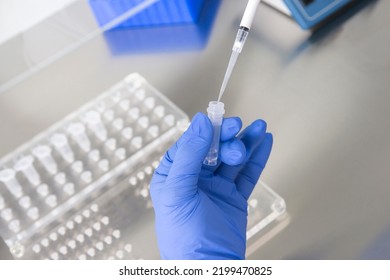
(242, 34)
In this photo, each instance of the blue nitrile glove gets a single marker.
(201, 211)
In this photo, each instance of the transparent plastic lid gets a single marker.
(53, 38)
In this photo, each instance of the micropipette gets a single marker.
(239, 42)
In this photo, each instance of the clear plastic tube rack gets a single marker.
(80, 189)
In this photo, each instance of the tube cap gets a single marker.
(216, 108)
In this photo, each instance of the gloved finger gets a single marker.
(250, 173)
(230, 127)
(233, 152)
(192, 147)
(163, 168)
(251, 138)
(162, 171)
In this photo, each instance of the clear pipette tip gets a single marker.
(232, 62)
(239, 42)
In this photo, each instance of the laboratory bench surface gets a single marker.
(324, 95)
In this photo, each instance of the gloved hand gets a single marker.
(201, 211)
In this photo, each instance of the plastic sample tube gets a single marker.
(124, 105)
(150, 102)
(36, 249)
(169, 120)
(136, 143)
(63, 250)
(127, 133)
(118, 124)
(25, 164)
(128, 248)
(43, 190)
(77, 130)
(53, 236)
(116, 233)
(86, 176)
(120, 153)
(109, 115)
(60, 178)
(94, 208)
(7, 176)
(105, 220)
(2, 202)
(70, 225)
(77, 166)
(94, 155)
(25, 202)
(61, 230)
(60, 142)
(51, 200)
(33, 213)
(110, 144)
(69, 188)
(143, 122)
(153, 131)
(99, 246)
(159, 111)
(140, 94)
(96, 125)
(43, 154)
(72, 244)
(215, 113)
(108, 240)
(133, 114)
(6, 214)
(45, 242)
(119, 254)
(14, 225)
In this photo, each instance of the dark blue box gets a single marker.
(163, 12)
(310, 13)
(166, 26)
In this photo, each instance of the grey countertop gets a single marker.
(324, 96)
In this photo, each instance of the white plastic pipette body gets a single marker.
(242, 34)
(249, 13)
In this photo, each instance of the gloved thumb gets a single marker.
(192, 148)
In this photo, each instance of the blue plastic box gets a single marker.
(309, 13)
(158, 39)
(163, 12)
(165, 26)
